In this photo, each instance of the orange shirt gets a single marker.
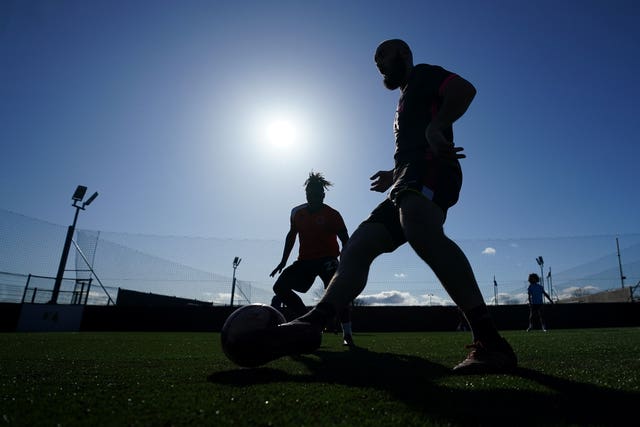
(318, 231)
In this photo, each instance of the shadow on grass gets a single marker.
(415, 381)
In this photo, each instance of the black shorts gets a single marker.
(300, 275)
(438, 182)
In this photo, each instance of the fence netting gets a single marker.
(200, 268)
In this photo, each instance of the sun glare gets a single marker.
(280, 133)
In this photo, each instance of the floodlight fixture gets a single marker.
(78, 195)
(540, 261)
(90, 199)
(236, 262)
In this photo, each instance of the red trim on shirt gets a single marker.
(445, 83)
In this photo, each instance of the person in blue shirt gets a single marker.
(536, 293)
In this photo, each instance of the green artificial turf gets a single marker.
(566, 377)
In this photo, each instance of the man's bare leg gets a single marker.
(365, 244)
(422, 222)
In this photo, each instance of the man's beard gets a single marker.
(395, 75)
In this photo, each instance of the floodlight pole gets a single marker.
(236, 263)
(495, 291)
(540, 262)
(77, 197)
(622, 277)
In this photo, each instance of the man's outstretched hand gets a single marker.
(278, 269)
(381, 181)
(451, 153)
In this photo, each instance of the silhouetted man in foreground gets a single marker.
(424, 183)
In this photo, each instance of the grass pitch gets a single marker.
(566, 377)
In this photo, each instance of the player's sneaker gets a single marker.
(347, 340)
(287, 339)
(484, 359)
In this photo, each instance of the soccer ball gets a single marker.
(241, 329)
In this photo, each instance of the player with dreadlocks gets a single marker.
(319, 226)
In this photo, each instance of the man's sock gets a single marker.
(346, 329)
(482, 327)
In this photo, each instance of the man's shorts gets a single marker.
(437, 181)
(300, 275)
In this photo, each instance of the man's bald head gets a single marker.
(394, 61)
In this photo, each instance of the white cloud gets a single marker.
(394, 297)
(576, 291)
(431, 299)
(510, 299)
(389, 298)
(218, 297)
(489, 251)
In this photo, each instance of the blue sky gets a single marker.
(163, 108)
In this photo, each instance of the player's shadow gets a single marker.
(416, 382)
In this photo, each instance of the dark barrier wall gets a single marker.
(9, 313)
(506, 317)
(365, 319)
(135, 298)
(131, 318)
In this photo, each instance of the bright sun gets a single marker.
(281, 133)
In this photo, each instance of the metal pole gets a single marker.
(86, 296)
(91, 269)
(82, 283)
(495, 291)
(620, 264)
(26, 288)
(233, 285)
(550, 283)
(542, 275)
(236, 263)
(63, 258)
(540, 262)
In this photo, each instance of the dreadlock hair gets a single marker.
(317, 180)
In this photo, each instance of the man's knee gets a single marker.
(279, 287)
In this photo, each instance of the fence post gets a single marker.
(86, 296)
(26, 287)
